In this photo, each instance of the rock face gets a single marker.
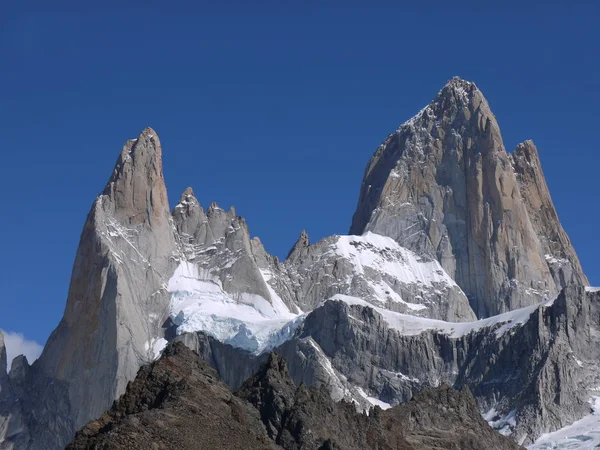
(178, 402)
(224, 278)
(117, 298)
(444, 186)
(6, 396)
(444, 418)
(558, 251)
(532, 371)
(114, 308)
(218, 243)
(307, 418)
(3, 372)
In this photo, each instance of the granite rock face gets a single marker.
(117, 299)
(218, 244)
(444, 186)
(556, 245)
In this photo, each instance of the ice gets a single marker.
(503, 424)
(411, 325)
(248, 321)
(583, 434)
(154, 347)
(373, 400)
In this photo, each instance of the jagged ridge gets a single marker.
(179, 403)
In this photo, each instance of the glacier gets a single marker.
(248, 321)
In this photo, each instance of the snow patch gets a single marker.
(373, 400)
(555, 260)
(154, 347)
(400, 375)
(410, 325)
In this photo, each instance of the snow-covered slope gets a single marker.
(377, 269)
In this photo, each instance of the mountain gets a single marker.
(178, 402)
(456, 272)
(444, 186)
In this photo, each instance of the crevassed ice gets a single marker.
(583, 434)
(251, 322)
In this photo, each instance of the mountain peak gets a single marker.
(460, 83)
(458, 100)
(302, 243)
(2, 355)
(137, 187)
(449, 163)
(187, 195)
(213, 208)
(148, 132)
(456, 87)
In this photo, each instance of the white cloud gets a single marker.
(16, 344)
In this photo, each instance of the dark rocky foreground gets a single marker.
(179, 402)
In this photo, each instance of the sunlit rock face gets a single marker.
(444, 186)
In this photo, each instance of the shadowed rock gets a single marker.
(178, 402)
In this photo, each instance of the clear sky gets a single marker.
(274, 107)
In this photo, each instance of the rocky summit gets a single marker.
(455, 312)
(444, 186)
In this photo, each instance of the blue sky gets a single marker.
(274, 108)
